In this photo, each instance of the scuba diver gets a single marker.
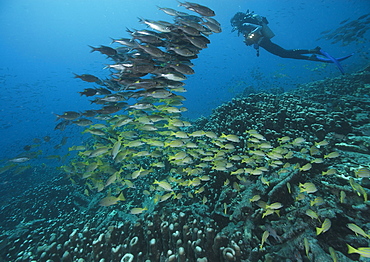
(257, 33)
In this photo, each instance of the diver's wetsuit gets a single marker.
(275, 49)
(257, 33)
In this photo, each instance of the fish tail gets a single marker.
(93, 49)
(181, 4)
(351, 249)
(121, 197)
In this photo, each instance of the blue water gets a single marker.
(43, 42)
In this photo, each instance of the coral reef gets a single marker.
(301, 209)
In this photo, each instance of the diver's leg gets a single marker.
(284, 53)
(316, 50)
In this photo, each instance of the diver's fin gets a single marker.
(331, 59)
(327, 60)
(335, 60)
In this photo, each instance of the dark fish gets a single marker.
(191, 23)
(64, 140)
(27, 147)
(144, 83)
(89, 113)
(69, 115)
(149, 39)
(168, 11)
(213, 27)
(62, 125)
(152, 50)
(88, 78)
(182, 50)
(97, 101)
(105, 50)
(143, 68)
(189, 30)
(125, 41)
(113, 98)
(200, 9)
(198, 41)
(47, 138)
(193, 18)
(145, 32)
(83, 122)
(182, 68)
(108, 110)
(89, 92)
(160, 26)
(171, 83)
(211, 20)
(345, 20)
(103, 91)
(363, 16)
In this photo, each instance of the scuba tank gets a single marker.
(266, 31)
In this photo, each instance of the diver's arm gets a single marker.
(257, 28)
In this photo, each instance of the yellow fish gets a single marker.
(179, 134)
(265, 235)
(324, 227)
(116, 147)
(362, 172)
(275, 205)
(210, 134)
(317, 161)
(255, 134)
(138, 210)
(264, 181)
(362, 251)
(111, 200)
(357, 230)
(204, 200)
(163, 184)
(321, 143)
(306, 246)
(232, 138)
(289, 187)
(283, 139)
(306, 167)
(358, 188)
(298, 141)
(342, 196)
(331, 155)
(317, 201)
(255, 198)
(307, 187)
(166, 196)
(331, 171)
(312, 214)
(333, 254)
